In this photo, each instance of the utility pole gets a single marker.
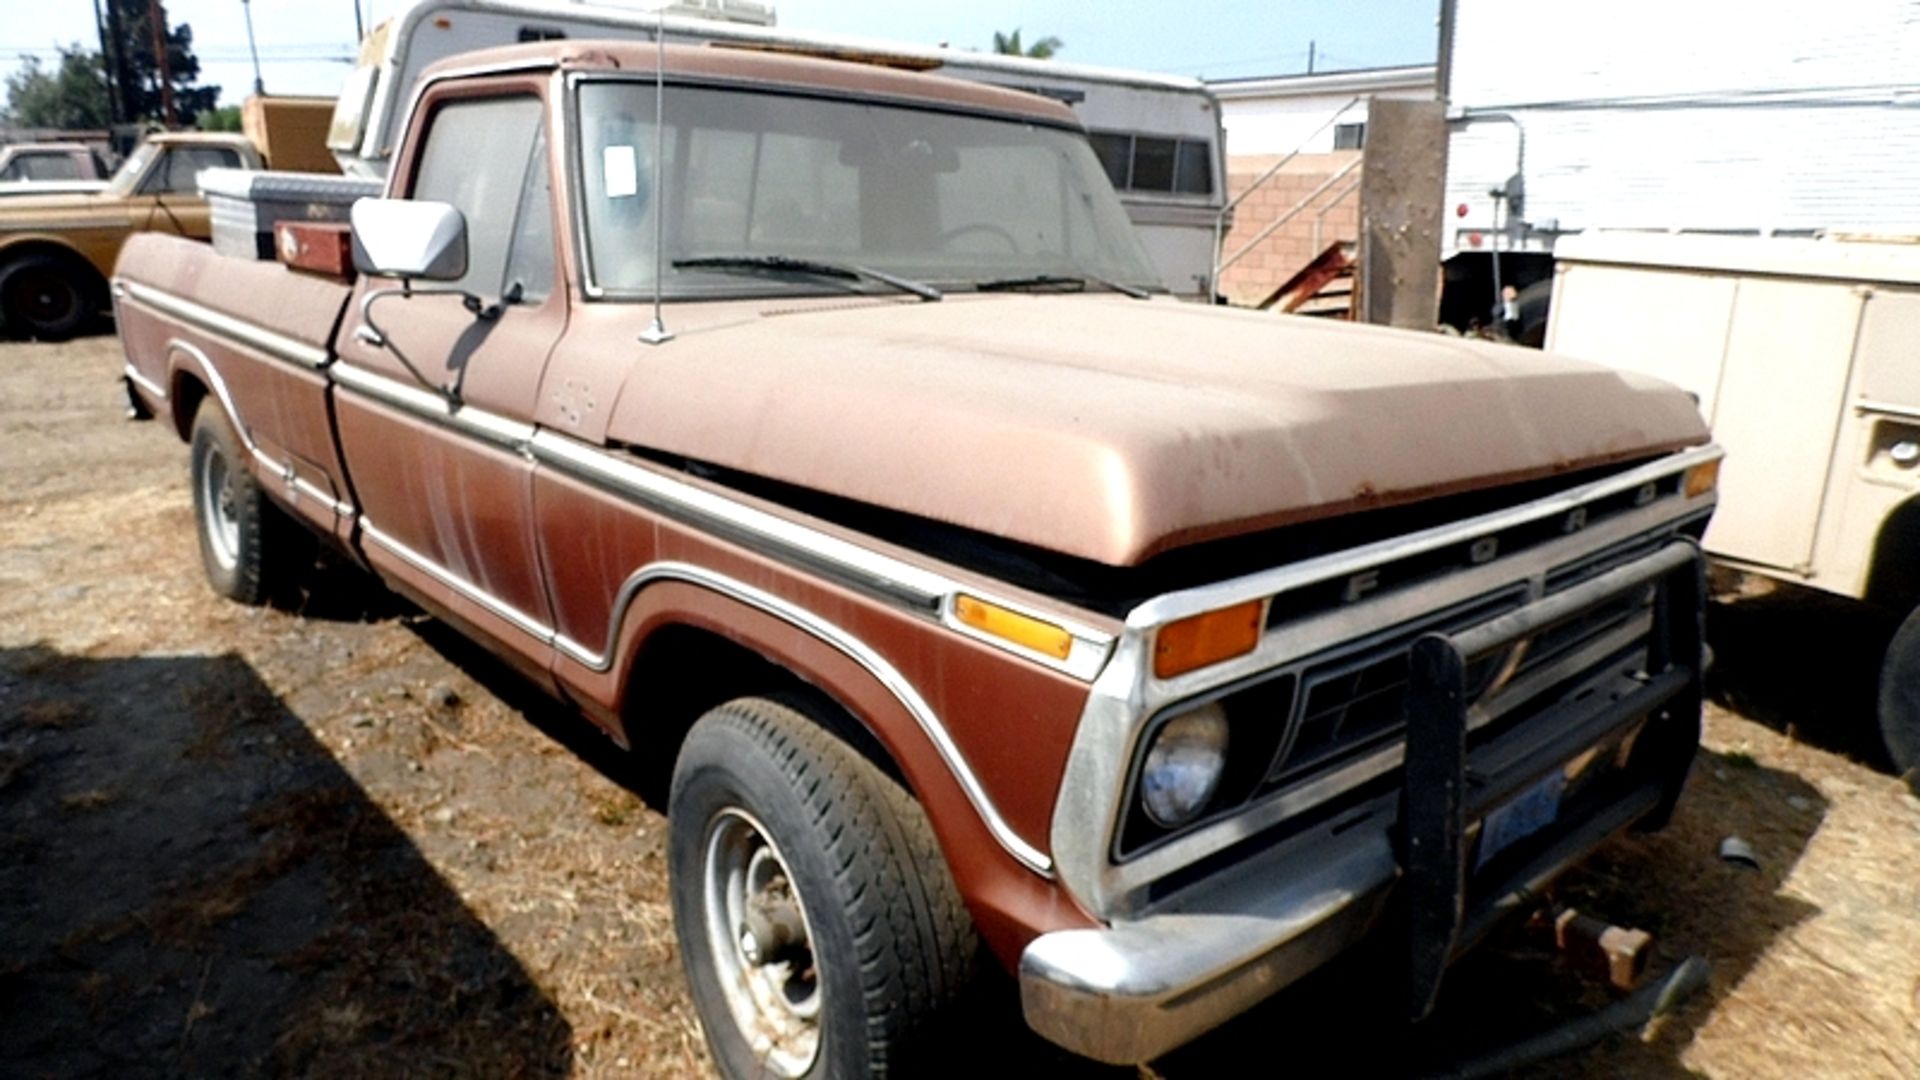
(157, 15)
(117, 49)
(107, 66)
(1311, 45)
(359, 28)
(258, 86)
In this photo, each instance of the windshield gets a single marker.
(950, 200)
(128, 174)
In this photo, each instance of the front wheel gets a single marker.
(1900, 700)
(821, 931)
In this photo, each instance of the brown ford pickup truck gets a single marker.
(973, 595)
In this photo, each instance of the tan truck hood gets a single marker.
(1112, 429)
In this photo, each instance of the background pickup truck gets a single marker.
(47, 168)
(56, 251)
(970, 594)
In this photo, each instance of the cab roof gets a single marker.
(753, 65)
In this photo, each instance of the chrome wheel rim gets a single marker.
(219, 510)
(761, 944)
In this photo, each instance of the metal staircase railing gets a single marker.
(1219, 221)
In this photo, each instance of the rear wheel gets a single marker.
(1900, 700)
(47, 297)
(248, 547)
(821, 931)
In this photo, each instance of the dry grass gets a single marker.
(498, 906)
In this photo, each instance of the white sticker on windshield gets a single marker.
(620, 171)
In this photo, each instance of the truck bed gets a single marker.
(253, 336)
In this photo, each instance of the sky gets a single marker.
(306, 45)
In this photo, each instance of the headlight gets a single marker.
(1183, 765)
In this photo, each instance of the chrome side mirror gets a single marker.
(409, 239)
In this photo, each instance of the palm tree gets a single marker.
(1009, 45)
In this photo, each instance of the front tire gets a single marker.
(247, 546)
(820, 929)
(1900, 700)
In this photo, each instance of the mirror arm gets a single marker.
(368, 332)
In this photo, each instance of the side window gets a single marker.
(1193, 174)
(1153, 164)
(476, 159)
(530, 256)
(178, 170)
(15, 170)
(52, 167)
(1115, 152)
(1150, 163)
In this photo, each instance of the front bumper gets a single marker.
(1405, 860)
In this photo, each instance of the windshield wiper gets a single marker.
(787, 264)
(1046, 281)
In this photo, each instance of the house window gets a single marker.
(1349, 136)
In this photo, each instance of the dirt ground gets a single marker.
(339, 841)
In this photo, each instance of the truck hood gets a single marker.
(1113, 429)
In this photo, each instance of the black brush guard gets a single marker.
(1440, 797)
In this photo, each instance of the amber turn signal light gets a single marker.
(1702, 478)
(1040, 636)
(1199, 640)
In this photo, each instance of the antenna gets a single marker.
(657, 333)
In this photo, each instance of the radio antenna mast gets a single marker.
(657, 333)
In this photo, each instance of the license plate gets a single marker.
(1528, 813)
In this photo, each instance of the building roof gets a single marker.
(1355, 81)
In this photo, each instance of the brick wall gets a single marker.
(1292, 245)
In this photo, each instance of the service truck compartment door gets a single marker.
(1769, 361)
(1789, 352)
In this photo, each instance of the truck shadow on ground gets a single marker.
(1346, 1020)
(1804, 663)
(191, 885)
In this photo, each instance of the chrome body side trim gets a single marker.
(521, 621)
(786, 611)
(922, 591)
(1089, 810)
(133, 375)
(466, 419)
(296, 487)
(271, 342)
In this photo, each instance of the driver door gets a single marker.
(444, 489)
